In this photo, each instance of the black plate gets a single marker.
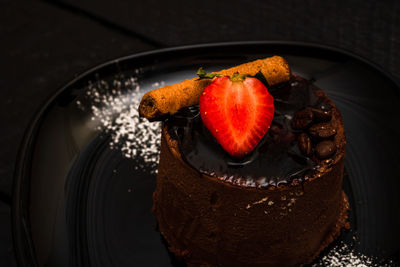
(82, 194)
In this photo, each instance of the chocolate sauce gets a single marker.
(277, 158)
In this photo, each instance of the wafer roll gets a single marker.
(169, 99)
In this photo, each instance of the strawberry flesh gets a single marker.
(237, 112)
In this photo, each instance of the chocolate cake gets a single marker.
(280, 205)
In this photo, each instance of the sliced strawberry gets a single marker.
(238, 112)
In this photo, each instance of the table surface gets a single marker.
(47, 43)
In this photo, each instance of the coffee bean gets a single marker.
(325, 149)
(321, 115)
(304, 144)
(302, 119)
(322, 130)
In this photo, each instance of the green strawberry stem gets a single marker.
(204, 75)
(236, 77)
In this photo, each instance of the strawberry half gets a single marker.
(238, 112)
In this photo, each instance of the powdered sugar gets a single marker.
(114, 108)
(343, 255)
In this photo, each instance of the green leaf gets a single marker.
(239, 77)
(204, 75)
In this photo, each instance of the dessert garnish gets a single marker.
(237, 110)
(316, 132)
(167, 100)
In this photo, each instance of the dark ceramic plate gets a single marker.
(85, 175)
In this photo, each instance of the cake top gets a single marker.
(255, 124)
(292, 149)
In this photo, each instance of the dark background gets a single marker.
(44, 44)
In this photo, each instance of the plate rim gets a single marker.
(21, 235)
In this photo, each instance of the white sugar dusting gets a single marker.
(115, 108)
(343, 255)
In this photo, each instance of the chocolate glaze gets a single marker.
(277, 158)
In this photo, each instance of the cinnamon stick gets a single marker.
(169, 99)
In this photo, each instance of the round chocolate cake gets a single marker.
(280, 205)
